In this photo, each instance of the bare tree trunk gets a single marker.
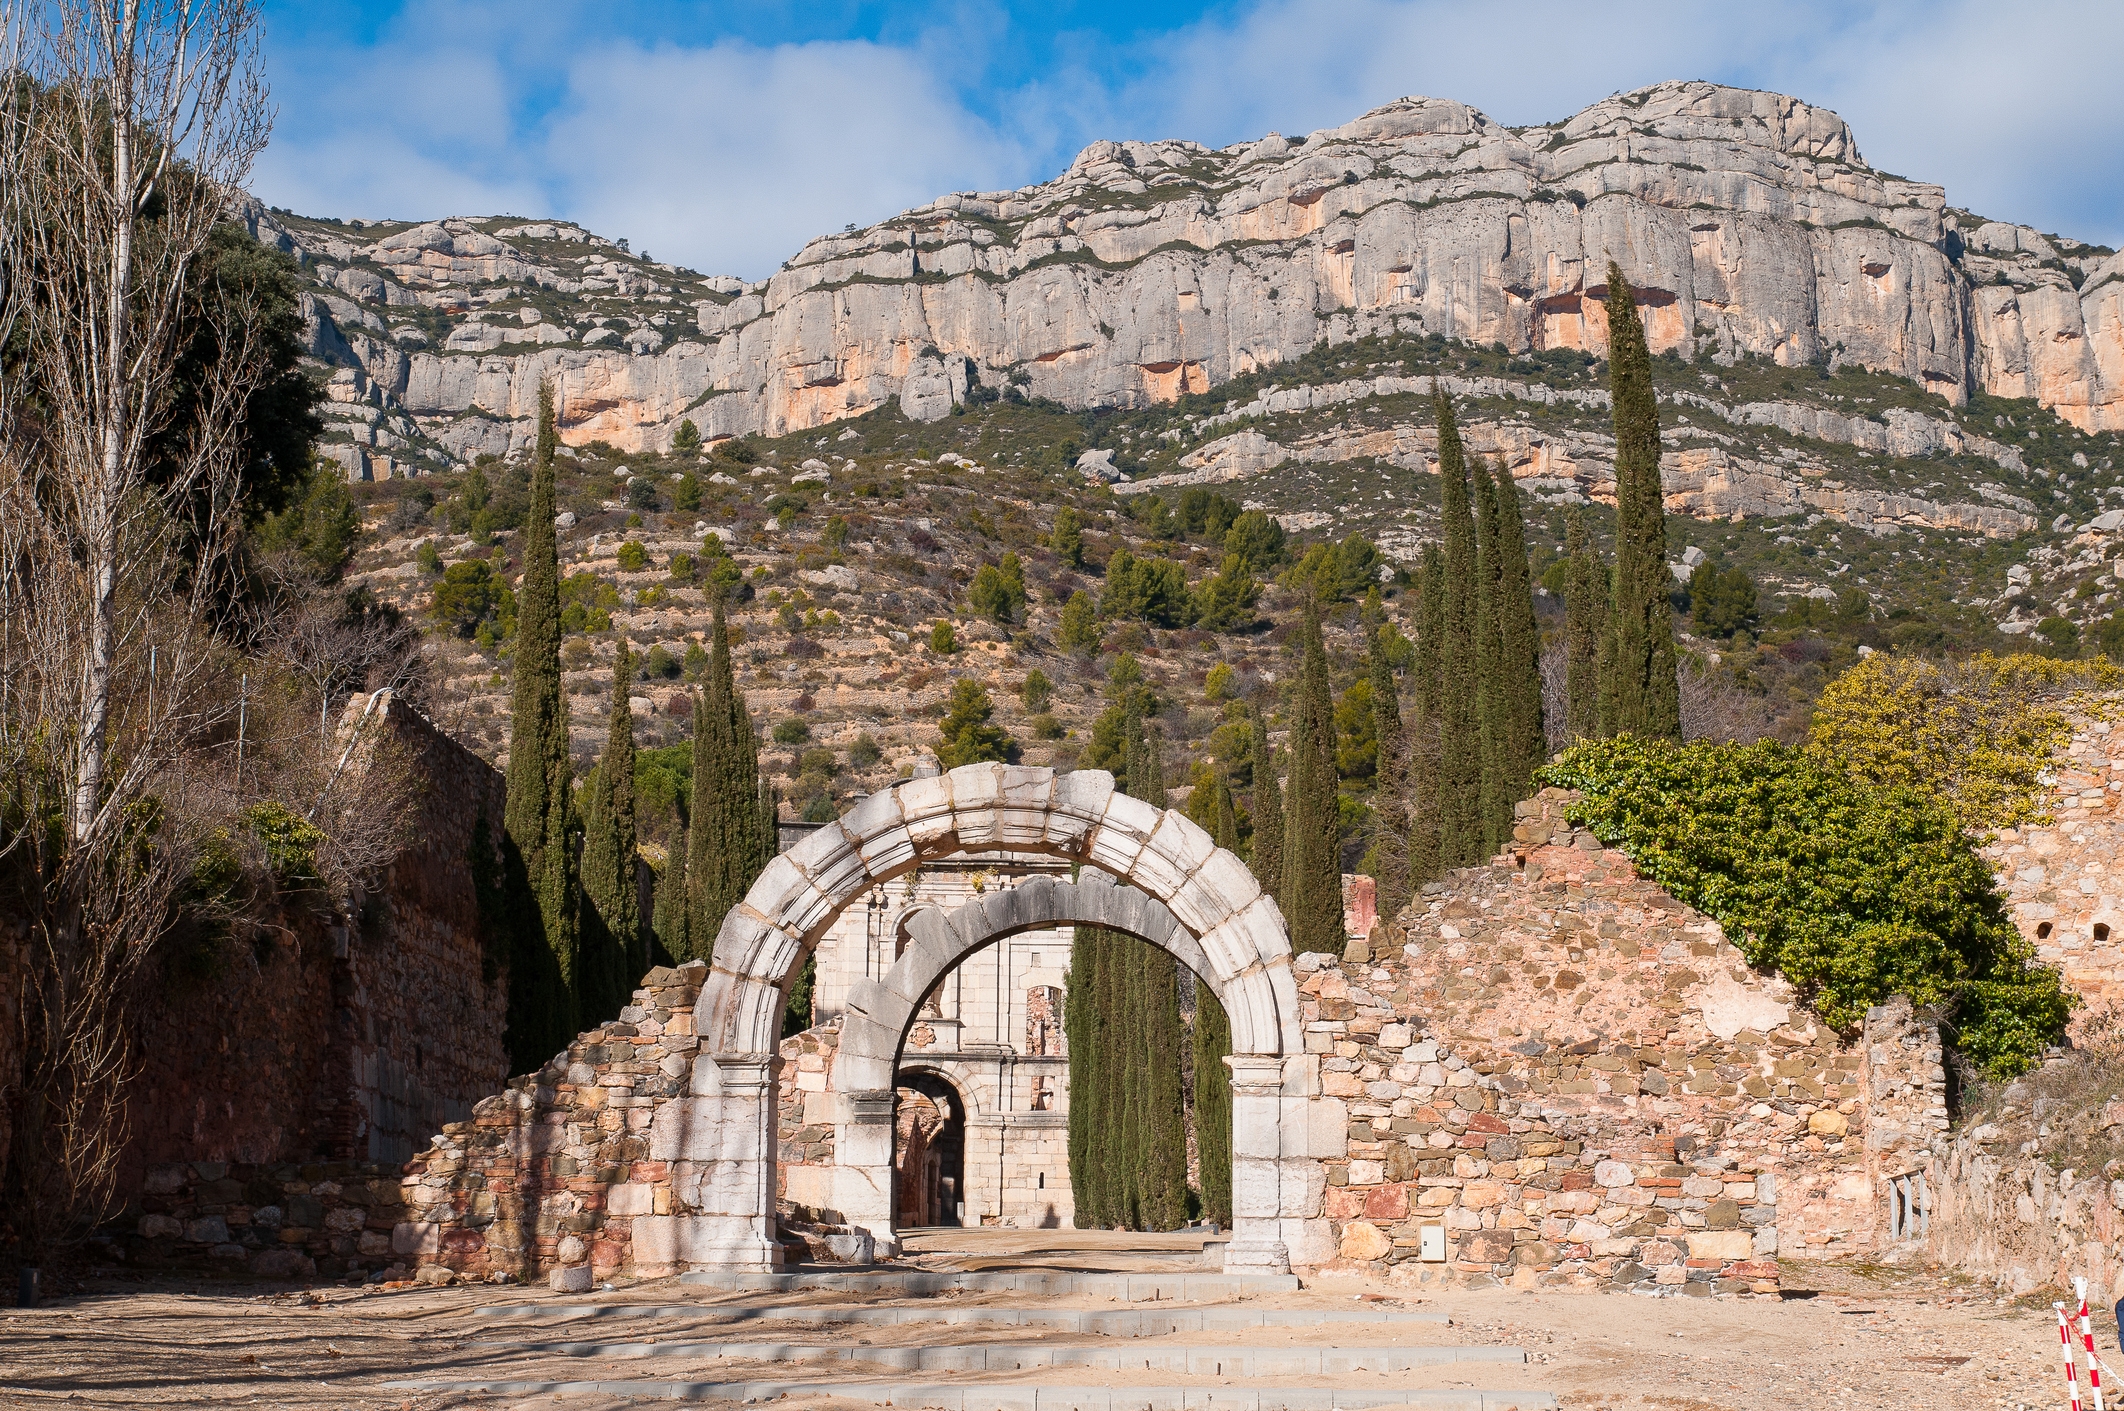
(132, 124)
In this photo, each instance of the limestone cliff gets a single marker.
(1748, 221)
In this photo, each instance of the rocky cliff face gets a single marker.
(1748, 223)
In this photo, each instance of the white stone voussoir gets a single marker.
(1123, 831)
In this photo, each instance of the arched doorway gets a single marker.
(1147, 872)
(929, 1151)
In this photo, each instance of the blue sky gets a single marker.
(723, 136)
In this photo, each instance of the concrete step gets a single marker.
(1202, 1361)
(1125, 1323)
(1014, 1396)
(1179, 1286)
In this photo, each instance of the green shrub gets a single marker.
(587, 603)
(943, 639)
(791, 731)
(659, 665)
(641, 493)
(864, 752)
(998, 591)
(633, 558)
(1037, 690)
(686, 495)
(1854, 894)
(967, 735)
(1079, 629)
(472, 595)
(687, 439)
(431, 564)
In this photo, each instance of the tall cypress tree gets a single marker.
(1641, 694)
(1266, 854)
(1213, 1105)
(1312, 820)
(1585, 619)
(1212, 1040)
(731, 838)
(1459, 734)
(614, 952)
(1390, 790)
(1491, 712)
(1084, 1023)
(1526, 739)
(1426, 818)
(539, 823)
(668, 916)
(1162, 1166)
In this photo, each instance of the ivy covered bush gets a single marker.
(1853, 893)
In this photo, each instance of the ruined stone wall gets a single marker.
(281, 1220)
(806, 1110)
(2064, 879)
(2017, 1220)
(1579, 1079)
(340, 1037)
(564, 1174)
(320, 1039)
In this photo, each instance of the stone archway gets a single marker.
(1182, 893)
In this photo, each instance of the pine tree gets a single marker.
(1425, 818)
(732, 833)
(1641, 694)
(1491, 711)
(1267, 850)
(1459, 790)
(1312, 832)
(539, 823)
(1390, 791)
(1526, 738)
(614, 955)
(1585, 618)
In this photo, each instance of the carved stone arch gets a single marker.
(1182, 893)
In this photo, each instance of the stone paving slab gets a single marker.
(977, 1396)
(1018, 1357)
(1130, 1323)
(1132, 1288)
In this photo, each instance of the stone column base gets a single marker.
(1265, 1258)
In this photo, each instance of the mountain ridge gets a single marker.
(1748, 221)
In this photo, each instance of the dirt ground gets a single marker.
(1842, 1336)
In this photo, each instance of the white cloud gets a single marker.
(729, 158)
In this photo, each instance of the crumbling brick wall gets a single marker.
(2064, 877)
(555, 1173)
(1580, 1079)
(341, 1039)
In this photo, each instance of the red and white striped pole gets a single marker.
(2072, 1368)
(2094, 1363)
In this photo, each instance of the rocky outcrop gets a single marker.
(1747, 222)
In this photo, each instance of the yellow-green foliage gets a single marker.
(1976, 734)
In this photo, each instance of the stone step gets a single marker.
(1125, 1323)
(1045, 1283)
(1196, 1360)
(1014, 1396)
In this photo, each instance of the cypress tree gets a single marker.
(668, 918)
(1459, 791)
(1312, 832)
(1213, 1105)
(614, 953)
(1226, 831)
(1585, 618)
(731, 839)
(1390, 792)
(1526, 739)
(1267, 850)
(1491, 711)
(1212, 1040)
(1162, 1166)
(539, 823)
(1641, 694)
(1083, 1023)
(1424, 770)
